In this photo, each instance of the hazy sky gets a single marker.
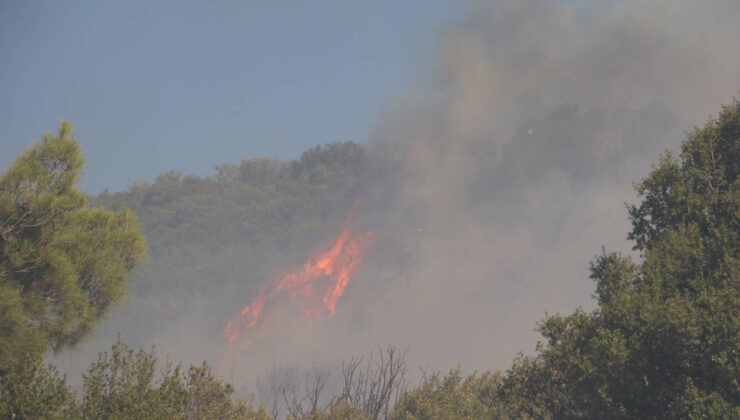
(187, 85)
(520, 126)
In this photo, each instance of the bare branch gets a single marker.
(377, 386)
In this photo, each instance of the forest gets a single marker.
(661, 338)
(428, 209)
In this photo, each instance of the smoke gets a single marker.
(515, 150)
(518, 149)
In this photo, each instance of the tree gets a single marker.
(34, 391)
(377, 387)
(124, 384)
(369, 387)
(452, 397)
(62, 262)
(665, 339)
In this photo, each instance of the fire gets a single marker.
(312, 290)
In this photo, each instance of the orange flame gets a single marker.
(313, 288)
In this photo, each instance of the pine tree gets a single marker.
(62, 262)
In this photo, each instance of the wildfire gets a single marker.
(312, 290)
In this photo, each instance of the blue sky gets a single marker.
(187, 85)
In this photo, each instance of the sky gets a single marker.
(188, 85)
(520, 127)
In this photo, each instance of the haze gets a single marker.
(513, 131)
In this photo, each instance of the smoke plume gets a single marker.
(515, 152)
(518, 150)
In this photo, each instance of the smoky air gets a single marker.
(483, 192)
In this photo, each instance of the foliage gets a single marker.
(122, 384)
(340, 410)
(125, 384)
(665, 339)
(62, 262)
(217, 239)
(452, 397)
(32, 390)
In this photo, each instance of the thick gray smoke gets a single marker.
(517, 150)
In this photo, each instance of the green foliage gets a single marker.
(34, 391)
(217, 239)
(62, 263)
(452, 397)
(340, 410)
(125, 384)
(122, 384)
(665, 339)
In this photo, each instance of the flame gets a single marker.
(312, 290)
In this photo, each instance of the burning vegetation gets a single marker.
(310, 291)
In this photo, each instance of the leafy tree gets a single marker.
(125, 384)
(62, 262)
(330, 163)
(340, 410)
(452, 397)
(218, 238)
(665, 339)
(32, 391)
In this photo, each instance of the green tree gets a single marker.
(126, 384)
(62, 262)
(340, 410)
(664, 341)
(32, 390)
(665, 338)
(452, 397)
(217, 238)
